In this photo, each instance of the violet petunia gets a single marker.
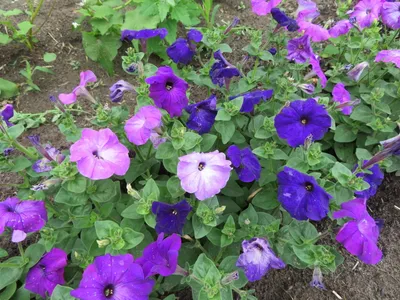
(143, 35)
(360, 235)
(251, 99)
(317, 70)
(283, 20)
(296, 122)
(374, 179)
(50, 154)
(317, 279)
(263, 7)
(7, 113)
(118, 89)
(43, 277)
(157, 139)
(391, 14)
(342, 96)
(99, 154)
(258, 258)
(273, 50)
(233, 24)
(161, 256)
(202, 115)
(355, 73)
(168, 91)
(80, 90)
(139, 128)
(170, 217)
(222, 71)
(204, 174)
(389, 56)
(299, 49)
(307, 10)
(340, 28)
(307, 88)
(245, 163)
(390, 147)
(301, 195)
(366, 12)
(316, 32)
(114, 278)
(22, 217)
(183, 50)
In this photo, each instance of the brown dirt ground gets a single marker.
(351, 281)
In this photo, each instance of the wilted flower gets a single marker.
(301, 195)
(45, 185)
(80, 90)
(168, 91)
(391, 14)
(389, 56)
(340, 28)
(222, 71)
(263, 7)
(170, 217)
(161, 256)
(366, 12)
(43, 277)
(300, 49)
(139, 128)
(272, 50)
(301, 119)
(202, 115)
(374, 180)
(234, 23)
(307, 88)
(143, 35)
(341, 95)
(251, 99)
(114, 278)
(99, 154)
(49, 154)
(245, 163)
(317, 279)
(183, 50)
(258, 258)
(204, 174)
(390, 147)
(156, 139)
(57, 103)
(355, 73)
(118, 89)
(7, 113)
(360, 235)
(283, 20)
(22, 216)
(7, 151)
(316, 69)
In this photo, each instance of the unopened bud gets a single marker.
(220, 210)
(228, 279)
(132, 192)
(103, 243)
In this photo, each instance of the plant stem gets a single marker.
(47, 17)
(123, 5)
(395, 35)
(219, 255)
(21, 148)
(21, 250)
(137, 150)
(32, 20)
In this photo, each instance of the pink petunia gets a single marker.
(366, 12)
(316, 32)
(80, 90)
(316, 68)
(342, 96)
(340, 28)
(389, 56)
(391, 14)
(263, 7)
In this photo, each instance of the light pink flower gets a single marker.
(263, 7)
(389, 56)
(80, 90)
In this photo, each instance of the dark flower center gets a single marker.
(169, 85)
(96, 154)
(304, 121)
(368, 11)
(300, 47)
(201, 166)
(109, 291)
(309, 186)
(175, 212)
(43, 267)
(258, 246)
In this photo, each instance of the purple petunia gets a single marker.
(170, 217)
(7, 113)
(389, 56)
(306, 11)
(99, 154)
(307, 88)
(204, 174)
(340, 28)
(391, 14)
(22, 216)
(143, 35)
(183, 50)
(299, 49)
(168, 91)
(301, 195)
(360, 235)
(43, 277)
(258, 258)
(80, 90)
(301, 119)
(283, 20)
(366, 12)
(202, 115)
(245, 163)
(263, 7)
(140, 127)
(161, 256)
(114, 278)
(390, 147)
(50, 154)
(355, 73)
(118, 89)
(233, 24)
(342, 96)
(317, 279)
(251, 99)
(374, 180)
(317, 70)
(222, 71)
(317, 33)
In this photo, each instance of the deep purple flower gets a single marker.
(301, 119)
(183, 50)
(317, 279)
(258, 258)
(355, 73)
(391, 14)
(132, 68)
(389, 56)
(300, 49)
(170, 217)
(245, 163)
(116, 277)
(202, 115)
(204, 174)
(341, 95)
(307, 88)
(234, 23)
(301, 195)
(222, 71)
(316, 32)
(195, 35)
(273, 51)
(7, 151)
(390, 147)
(283, 20)
(366, 12)
(118, 89)
(22, 216)
(360, 235)
(99, 154)
(143, 35)
(317, 70)
(7, 113)
(374, 180)
(251, 99)
(161, 256)
(340, 28)
(168, 91)
(80, 90)
(43, 277)
(263, 7)
(139, 128)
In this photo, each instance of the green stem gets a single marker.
(137, 150)
(149, 152)
(123, 5)
(47, 17)
(22, 149)
(32, 20)
(21, 250)
(198, 245)
(395, 35)
(219, 255)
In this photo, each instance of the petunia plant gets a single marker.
(208, 191)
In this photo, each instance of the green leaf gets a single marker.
(11, 13)
(165, 151)
(20, 163)
(174, 187)
(186, 12)
(208, 142)
(205, 270)
(362, 113)
(200, 229)
(341, 173)
(70, 198)
(345, 134)
(49, 57)
(77, 184)
(266, 199)
(137, 168)
(226, 129)
(171, 26)
(131, 212)
(24, 27)
(151, 188)
(3, 253)
(9, 275)
(135, 20)
(62, 293)
(4, 38)
(34, 252)
(223, 115)
(105, 191)
(15, 131)
(163, 9)
(192, 139)
(248, 217)
(8, 89)
(8, 292)
(303, 232)
(105, 228)
(132, 238)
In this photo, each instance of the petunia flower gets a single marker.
(283, 20)
(316, 32)
(80, 90)
(366, 12)
(202, 115)
(359, 235)
(99, 154)
(317, 70)
(272, 50)
(57, 103)
(258, 258)
(156, 139)
(301, 195)
(43, 277)
(317, 279)
(390, 147)
(300, 119)
(374, 180)
(391, 14)
(355, 73)
(114, 278)
(263, 7)
(49, 154)
(341, 95)
(170, 217)
(340, 28)
(306, 11)
(7, 113)
(389, 56)
(139, 128)
(22, 217)
(307, 88)
(245, 163)
(204, 174)
(183, 50)
(161, 256)
(299, 49)
(7, 151)
(143, 35)
(222, 71)
(233, 24)
(251, 99)
(168, 91)
(118, 89)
